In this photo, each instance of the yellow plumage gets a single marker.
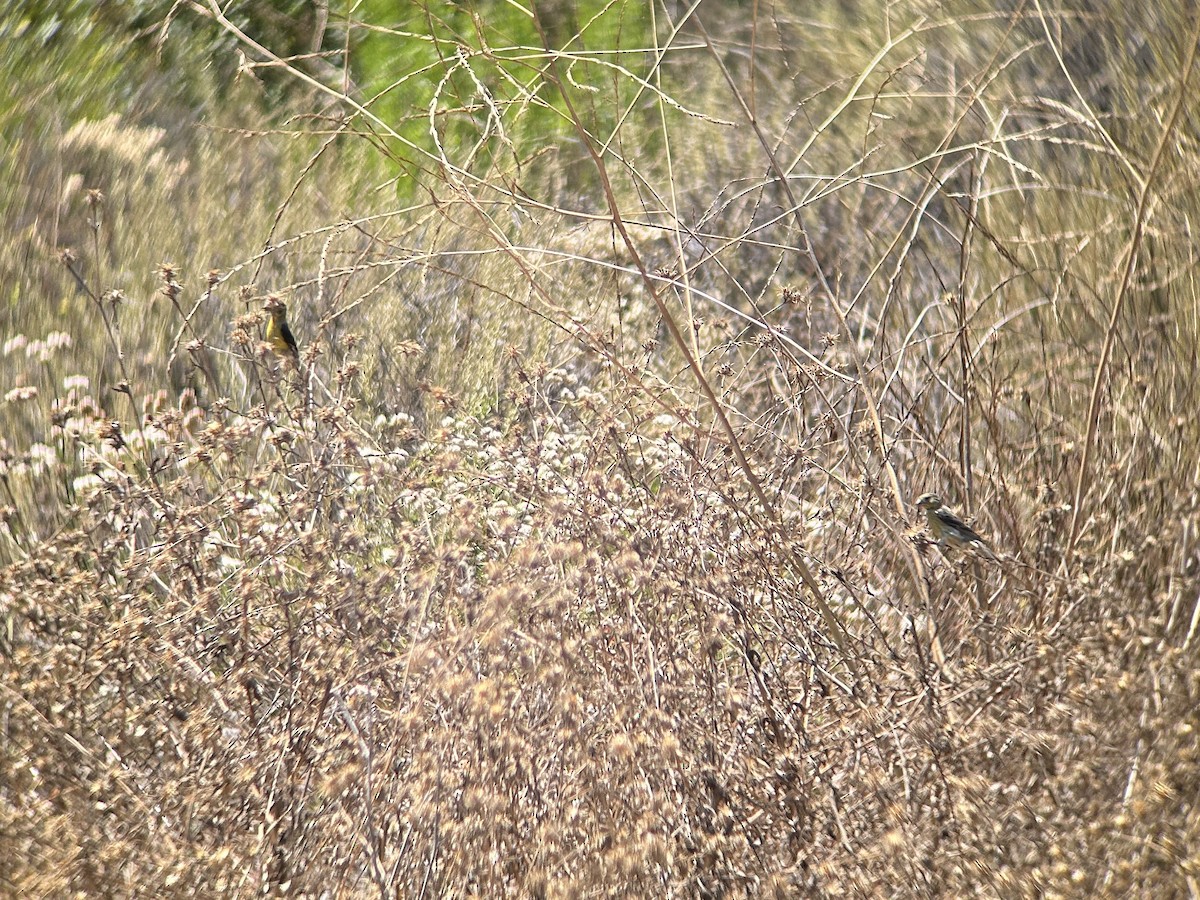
(278, 334)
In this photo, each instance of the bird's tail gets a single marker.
(985, 551)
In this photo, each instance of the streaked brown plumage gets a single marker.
(949, 529)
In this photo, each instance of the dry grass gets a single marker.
(577, 557)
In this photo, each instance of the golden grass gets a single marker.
(577, 555)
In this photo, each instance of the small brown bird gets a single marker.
(279, 335)
(949, 529)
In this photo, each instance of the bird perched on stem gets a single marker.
(949, 529)
(279, 335)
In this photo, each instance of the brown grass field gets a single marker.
(578, 555)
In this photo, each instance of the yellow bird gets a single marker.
(279, 335)
(949, 529)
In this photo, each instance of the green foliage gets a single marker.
(465, 86)
(56, 50)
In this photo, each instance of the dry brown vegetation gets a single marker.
(577, 557)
